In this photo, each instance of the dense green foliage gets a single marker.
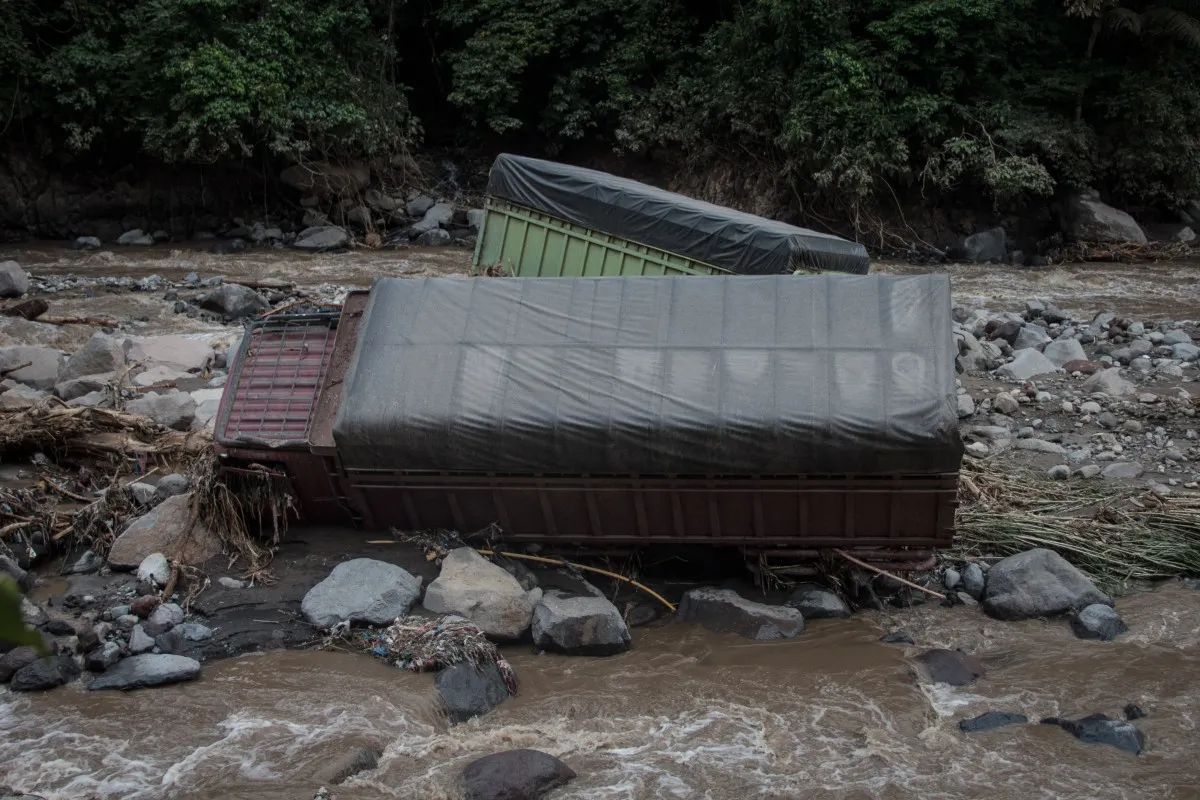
(849, 100)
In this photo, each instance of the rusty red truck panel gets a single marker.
(265, 413)
(277, 374)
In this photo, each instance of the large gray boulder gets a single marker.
(817, 602)
(515, 775)
(725, 611)
(14, 660)
(13, 280)
(361, 590)
(140, 641)
(36, 367)
(974, 581)
(163, 618)
(103, 354)
(45, 673)
(173, 409)
(441, 214)
(164, 529)
(433, 238)
(1185, 351)
(467, 692)
(1037, 583)
(1089, 220)
(20, 397)
(140, 672)
(1109, 382)
(419, 205)
(473, 587)
(1027, 363)
(1063, 351)
(586, 626)
(982, 247)
(136, 237)
(321, 239)
(79, 387)
(380, 201)
(1031, 336)
(173, 351)
(208, 403)
(234, 301)
(974, 355)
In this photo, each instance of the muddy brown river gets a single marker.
(685, 714)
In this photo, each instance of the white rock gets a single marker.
(362, 590)
(182, 353)
(1063, 350)
(1109, 382)
(155, 567)
(208, 403)
(966, 406)
(473, 587)
(1027, 363)
(159, 375)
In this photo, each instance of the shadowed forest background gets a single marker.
(839, 111)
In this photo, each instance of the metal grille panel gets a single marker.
(274, 385)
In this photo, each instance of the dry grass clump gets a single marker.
(1115, 532)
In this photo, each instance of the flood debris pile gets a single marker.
(1116, 532)
(419, 644)
(98, 489)
(472, 606)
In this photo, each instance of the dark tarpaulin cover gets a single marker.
(732, 240)
(654, 376)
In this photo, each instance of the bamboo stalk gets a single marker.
(896, 578)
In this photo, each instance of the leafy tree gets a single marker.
(1155, 21)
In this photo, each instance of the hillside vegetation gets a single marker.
(847, 103)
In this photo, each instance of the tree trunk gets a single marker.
(1087, 57)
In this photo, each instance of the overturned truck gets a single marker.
(778, 414)
(545, 219)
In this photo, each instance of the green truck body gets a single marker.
(521, 241)
(543, 219)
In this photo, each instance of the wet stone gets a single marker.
(347, 765)
(103, 657)
(991, 720)
(817, 602)
(45, 673)
(1133, 712)
(952, 667)
(467, 692)
(515, 775)
(897, 637)
(973, 580)
(1098, 622)
(724, 611)
(1102, 729)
